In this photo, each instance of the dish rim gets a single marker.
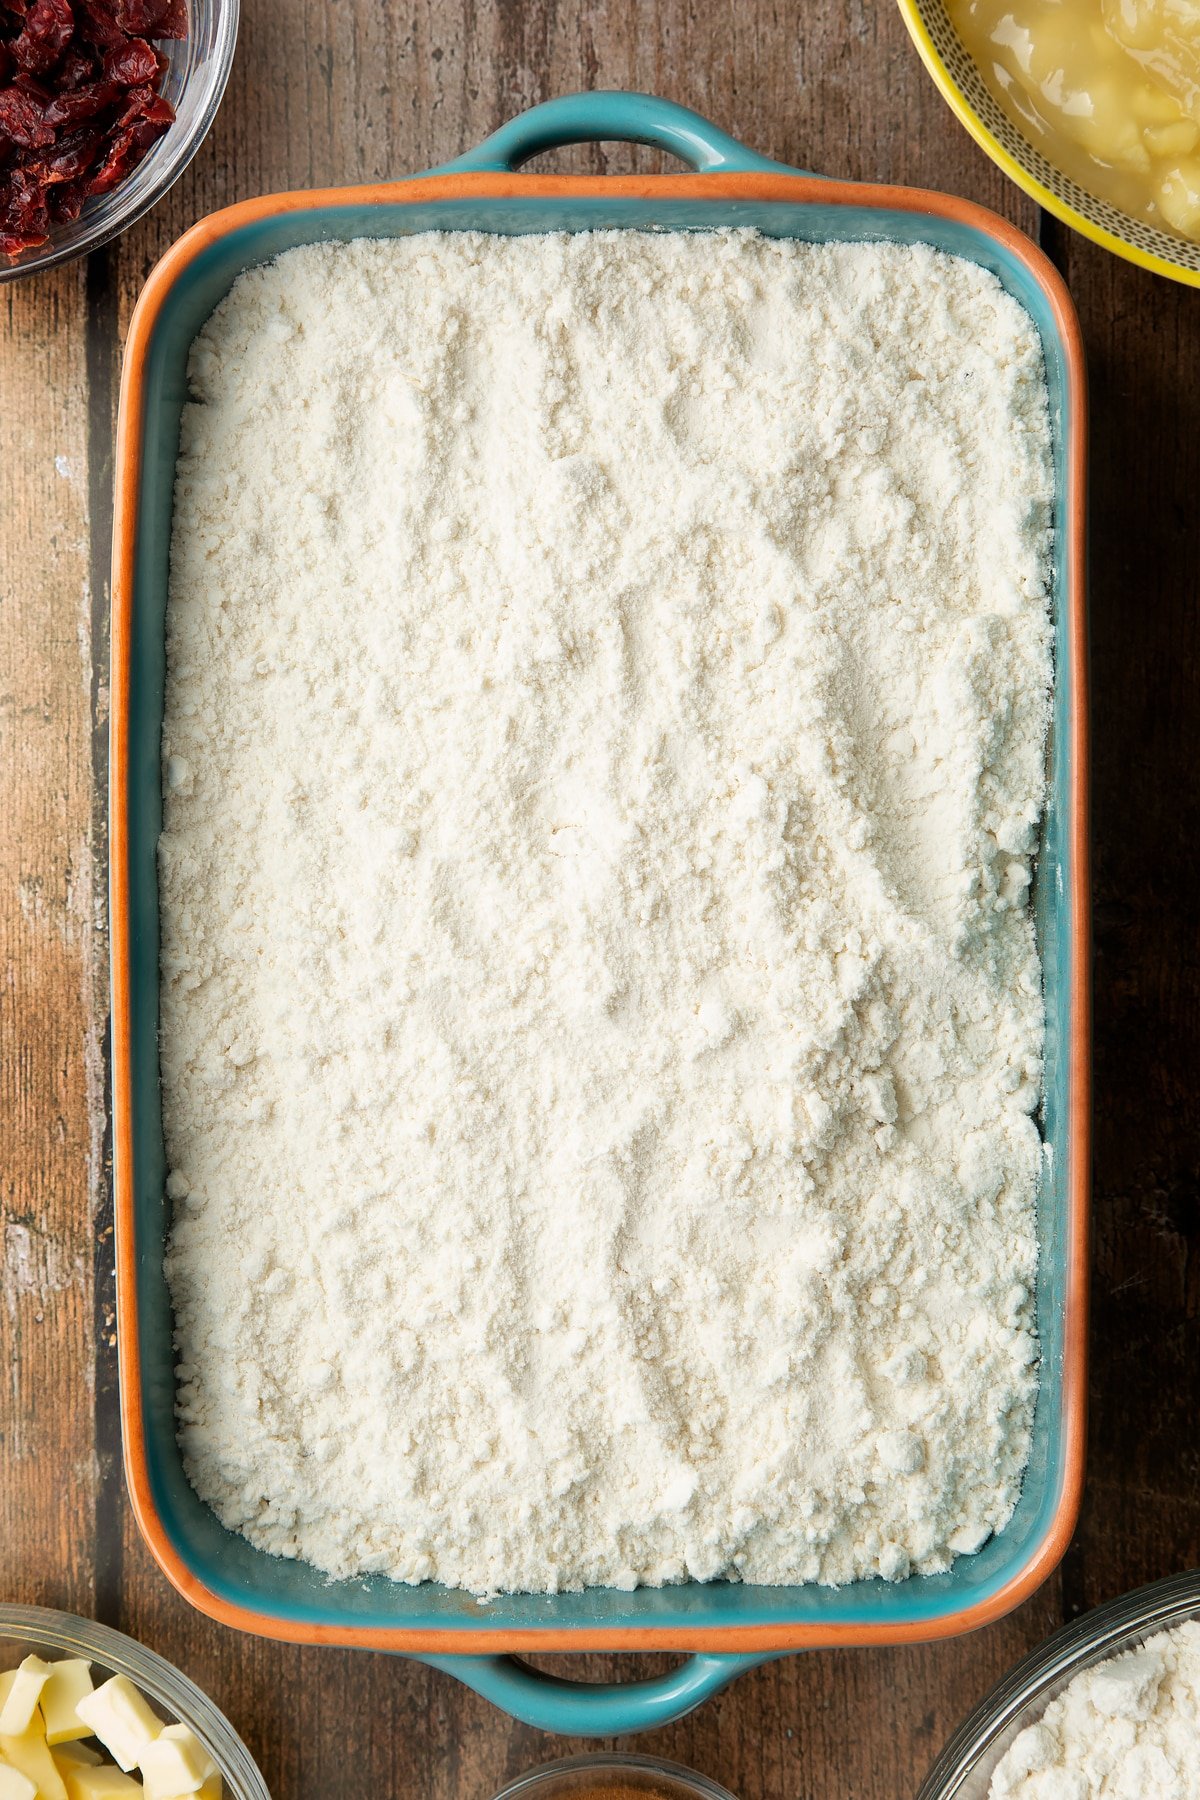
(769, 1637)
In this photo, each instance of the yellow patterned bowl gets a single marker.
(948, 61)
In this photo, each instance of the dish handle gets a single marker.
(611, 116)
(583, 1709)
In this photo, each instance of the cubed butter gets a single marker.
(101, 1783)
(121, 1718)
(14, 1785)
(74, 1756)
(24, 1692)
(212, 1789)
(176, 1763)
(69, 1682)
(29, 1753)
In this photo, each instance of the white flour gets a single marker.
(601, 1018)
(1128, 1729)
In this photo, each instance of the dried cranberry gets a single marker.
(48, 29)
(65, 202)
(23, 120)
(174, 22)
(72, 156)
(75, 70)
(19, 192)
(98, 25)
(23, 209)
(141, 18)
(153, 122)
(79, 104)
(144, 103)
(120, 158)
(84, 103)
(132, 63)
(145, 117)
(152, 18)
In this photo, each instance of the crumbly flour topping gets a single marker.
(1129, 1729)
(601, 1017)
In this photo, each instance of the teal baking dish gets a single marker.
(729, 1625)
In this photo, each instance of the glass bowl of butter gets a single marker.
(88, 1714)
(1092, 106)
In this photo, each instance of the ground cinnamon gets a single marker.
(617, 1790)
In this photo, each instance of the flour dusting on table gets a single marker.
(601, 1016)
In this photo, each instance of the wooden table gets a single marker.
(328, 91)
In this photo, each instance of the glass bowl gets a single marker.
(53, 1634)
(965, 1768)
(648, 1775)
(197, 70)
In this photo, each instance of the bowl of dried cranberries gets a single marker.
(102, 104)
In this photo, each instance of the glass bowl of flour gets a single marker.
(1110, 1705)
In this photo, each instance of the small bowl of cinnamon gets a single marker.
(613, 1777)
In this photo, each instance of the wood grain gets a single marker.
(50, 1066)
(328, 91)
(1143, 1513)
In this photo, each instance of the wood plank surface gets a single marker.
(51, 1089)
(328, 91)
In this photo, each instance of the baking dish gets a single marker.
(729, 1625)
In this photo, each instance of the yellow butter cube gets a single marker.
(101, 1783)
(176, 1763)
(24, 1692)
(29, 1753)
(74, 1756)
(14, 1785)
(121, 1718)
(70, 1681)
(212, 1789)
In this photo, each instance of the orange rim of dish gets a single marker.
(732, 1638)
